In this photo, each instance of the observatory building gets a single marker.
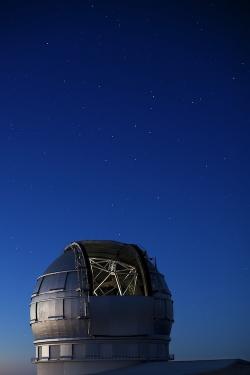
(101, 305)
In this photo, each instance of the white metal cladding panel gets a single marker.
(143, 349)
(170, 309)
(86, 351)
(39, 352)
(60, 328)
(53, 282)
(158, 282)
(42, 311)
(154, 281)
(55, 308)
(160, 308)
(66, 350)
(106, 351)
(158, 351)
(38, 285)
(162, 282)
(45, 351)
(50, 309)
(33, 312)
(132, 350)
(152, 350)
(162, 326)
(79, 351)
(121, 315)
(122, 350)
(71, 308)
(72, 282)
(93, 350)
(54, 351)
(161, 350)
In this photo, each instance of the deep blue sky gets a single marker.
(129, 120)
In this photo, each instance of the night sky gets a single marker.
(129, 120)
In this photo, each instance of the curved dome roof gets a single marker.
(126, 253)
(94, 248)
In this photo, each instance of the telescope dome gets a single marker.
(100, 302)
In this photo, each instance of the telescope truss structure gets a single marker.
(111, 277)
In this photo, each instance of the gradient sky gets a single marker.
(129, 120)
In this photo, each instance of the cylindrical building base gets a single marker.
(81, 368)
